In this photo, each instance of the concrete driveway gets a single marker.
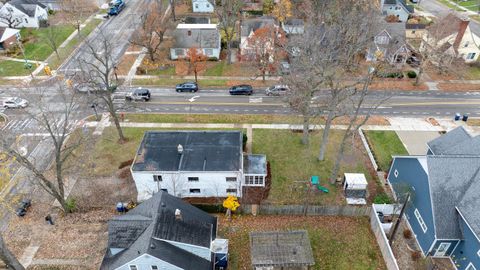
(416, 141)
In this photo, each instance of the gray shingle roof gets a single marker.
(198, 38)
(27, 6)
(202, 151)
(251, 25)
(143, 231)
(255, 164)
(447, 143)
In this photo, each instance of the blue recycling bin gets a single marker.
(457, 116)
(465, 118)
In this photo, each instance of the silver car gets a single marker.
(15, 102)
(277, 90)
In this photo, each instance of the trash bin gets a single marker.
(465, 118)
(457, 116)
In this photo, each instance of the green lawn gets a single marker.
(36, 45)
(13, 68)
(167, 71)
(472, 5)
(384, 145)
(449, 4)
(473, 73)
(216, 70)
(172, 82)
(292, 164)
(338, 243)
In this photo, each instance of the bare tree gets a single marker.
(56, 120)
(8, 258)
(227, 14)
(151, 31)
(8, 18)
(172, 7)
(75, 12)
(51, 37)
(97, 71)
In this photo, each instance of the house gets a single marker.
(415, 30)
(196, 164)
(197, 20)
(23, 13)
(203, 6)
(248, 28)
(457, 39)
(444, 187)
(293, 26)
(164, 232)
(398, 8)
(204, 37)
(8, 37)
(390, 43)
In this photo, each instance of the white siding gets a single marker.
(197, 250)
(209, 52)
(145, 262)
(202, 6)
(23, 19)
(211, 184)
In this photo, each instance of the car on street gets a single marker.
(277, 90)
(14, 102)
(242, 89)
(139, 94)
(23, 207)
(187, 87)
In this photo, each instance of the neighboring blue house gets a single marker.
(397, 8)
(203, 6)
(164, 232)
(445, 197)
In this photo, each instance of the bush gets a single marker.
(407, 233)
(416, 255)
(411, 74)
(71, 205)
(244, 140)
(125, 163)
(382, 198)
(397, 75)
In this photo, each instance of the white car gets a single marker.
(15, 102)
(277, 90)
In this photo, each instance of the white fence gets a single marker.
(369, 151)
(382, 240)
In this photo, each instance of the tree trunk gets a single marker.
(151, 54)
(263, 75)
(172, 7)
(306, 125)
(338, 160)
(326, 133)
(420, 73)
(121, 137)
(195, 72)
(8, 258)
(229, 51)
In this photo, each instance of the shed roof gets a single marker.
(202, 151)
(255, 164)
(355, 179)
(281, 249)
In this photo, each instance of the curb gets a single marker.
(4, 117)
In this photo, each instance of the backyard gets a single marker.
(384, 145)
(14, 68)
(338, 243)
(35, 41)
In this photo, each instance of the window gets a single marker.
(231, 179)
(154, 267)
(471, 56)
(209, 52)
(466, 44)
(420, 220)
(381, 39)
(194, 190)
(395, 173)
(232, 190)
(179, 52)
(157, 178)
(470, 267)
(189, 33)
(254, 180)
(208, 5)
(133, 267)
(193, 179)
(196, 6)
(478, 253)
(164, 189)
(413, 31)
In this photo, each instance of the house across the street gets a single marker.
(204, 37)
(398, 8)
(203, 6)
(390, 43)
(8, 37)
(444, 187)
(23, 13)
(248, 29)
(164, 232)
(196, 164)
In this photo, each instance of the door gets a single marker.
(442, 249)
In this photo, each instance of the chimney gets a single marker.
(178, 214)
(180, 149)
(462, 27)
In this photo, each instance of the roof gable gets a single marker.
(442, 144)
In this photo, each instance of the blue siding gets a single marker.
(453, 243)
(466, 251)
(412, 176)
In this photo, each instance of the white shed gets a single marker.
(355, 188)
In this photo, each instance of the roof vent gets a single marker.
(178, 214)
(152, 246)
(163, 204)
(180, 149)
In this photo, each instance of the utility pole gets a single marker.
(395, 228)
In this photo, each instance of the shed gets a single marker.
(355, 187)
(281, 250)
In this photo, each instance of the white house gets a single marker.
(204, 37)
(390, 44)
(248, 29)
(203, 6)
(195, 164)
(398, 8)
(23, 13)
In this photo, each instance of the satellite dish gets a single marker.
(23, 151)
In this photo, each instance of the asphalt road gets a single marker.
(437, 9)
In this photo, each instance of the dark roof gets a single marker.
(397, 37)
(202, 151)
(294, 22)
(447, 143)
(27, 6)
(414, 26)
(252, 25)
(255, 164)
(198, 38)
(409, 8)
(144, 229)
(197, 20)
(452, 180)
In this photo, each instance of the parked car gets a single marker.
(23, 207)
(15, 102)
(284, 67)
(413, 61)
(139, 94)
(242, 89)
(187, 87)
(277, 90)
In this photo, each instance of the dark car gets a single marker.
(243, 89)
(139, 94)
(23, 207)
(187, 87)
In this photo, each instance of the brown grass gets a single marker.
(458, 87)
